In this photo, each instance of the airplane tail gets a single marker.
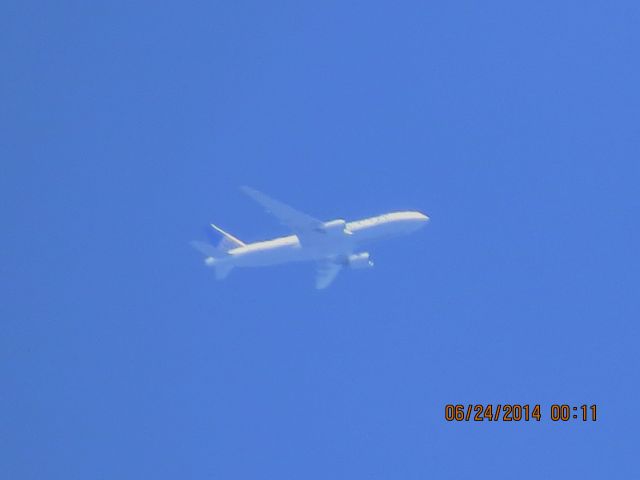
(218, 254)
(227, 242)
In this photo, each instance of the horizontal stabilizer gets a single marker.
(327, 271)
(207, 249)
(215, 258)
(222, 270)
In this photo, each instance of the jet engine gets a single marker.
(335, 227)
(359, 260)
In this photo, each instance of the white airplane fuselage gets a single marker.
(344, 240)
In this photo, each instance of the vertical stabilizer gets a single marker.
(223, 240)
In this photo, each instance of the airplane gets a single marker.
(333, 245)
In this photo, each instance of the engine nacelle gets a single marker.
(359, 260)
(335, 227)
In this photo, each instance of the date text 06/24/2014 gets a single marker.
(515, 412)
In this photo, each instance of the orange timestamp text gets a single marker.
(515, 412)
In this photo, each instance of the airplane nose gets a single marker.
(423, 217)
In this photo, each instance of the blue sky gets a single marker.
(127, 126)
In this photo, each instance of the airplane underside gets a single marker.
(330, 244)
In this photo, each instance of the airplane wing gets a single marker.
(326, 273)
(305, 226)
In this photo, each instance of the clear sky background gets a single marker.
(128, 126)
